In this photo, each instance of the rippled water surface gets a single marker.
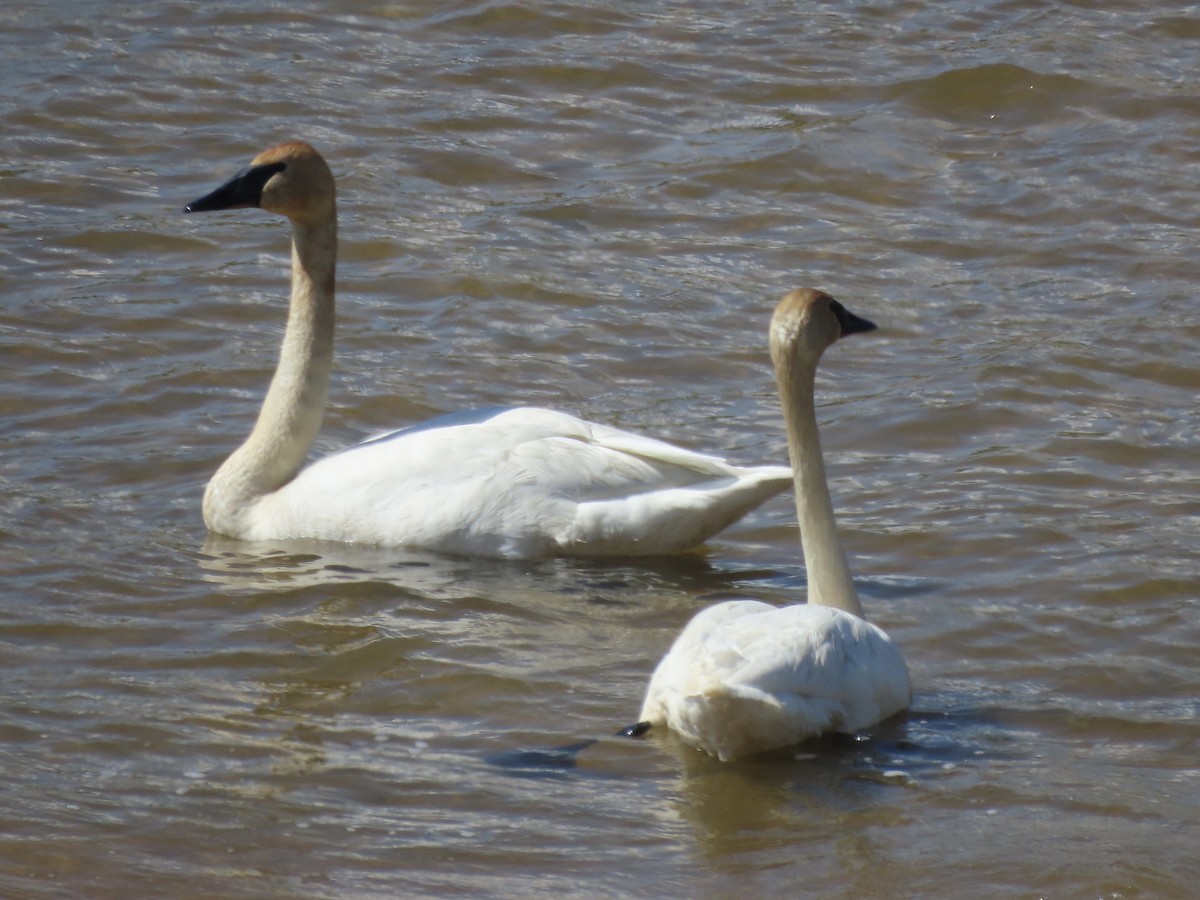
(594, 206)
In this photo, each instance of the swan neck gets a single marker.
(292, 410)
(829, 580)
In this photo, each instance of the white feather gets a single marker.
(521, 483)
(744, 677)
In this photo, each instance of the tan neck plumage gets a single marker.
(291, 413)
(829, 581)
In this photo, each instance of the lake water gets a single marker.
(594, 206)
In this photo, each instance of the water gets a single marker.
(594, 206)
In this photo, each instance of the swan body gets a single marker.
(745, 677)
(510, 483)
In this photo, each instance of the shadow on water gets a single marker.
(901, 751)
(278, 566)
(741, 807)
(550, 762)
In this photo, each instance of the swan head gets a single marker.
(291, 179)
(806, 323)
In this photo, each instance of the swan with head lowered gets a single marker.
(509, 483)
(746, 677)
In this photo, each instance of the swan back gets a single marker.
(745, 677)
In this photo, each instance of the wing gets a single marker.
(745, 677)
(521, 482)
(814, 658)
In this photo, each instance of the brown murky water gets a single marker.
(594, 206)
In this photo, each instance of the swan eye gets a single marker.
(255, 178)
(242, 190)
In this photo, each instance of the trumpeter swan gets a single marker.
(518, 483)
(743, 676)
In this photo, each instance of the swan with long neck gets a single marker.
(516, 483)
(745, 677)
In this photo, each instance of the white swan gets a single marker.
(743, 676)
(518, 483)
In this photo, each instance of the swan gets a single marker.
(744, 677)
(520, 483)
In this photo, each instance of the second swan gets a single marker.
(745, 677)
